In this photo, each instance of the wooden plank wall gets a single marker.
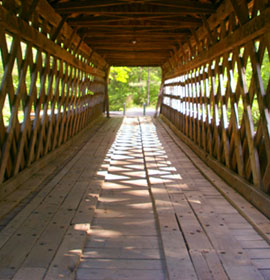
(217, 94)
(52, 83)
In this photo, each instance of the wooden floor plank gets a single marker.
(122, 264)
(136, 241)
(251, 214)
(210, 212)
(133, 207)
(130, 274)
(44, 223)
(18, 188)
(177, 257)
(124, 232)
(121, 253)
(69, 253)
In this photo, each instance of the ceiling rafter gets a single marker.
(135, 32)
(82, 6)
(90, 21)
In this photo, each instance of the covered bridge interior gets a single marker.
(204, 163)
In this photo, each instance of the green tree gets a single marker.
(129, 85)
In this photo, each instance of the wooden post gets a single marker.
(107, 93)
(58, 28)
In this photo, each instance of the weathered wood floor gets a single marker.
(130, 204)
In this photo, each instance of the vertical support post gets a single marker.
(78, 46)
(107, 109)
(144, 108)
(69, 42)
(124, 109)
(58, 28)
(26, 13)
(160, 96)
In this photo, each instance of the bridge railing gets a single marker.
(217, 95)
(52, 83)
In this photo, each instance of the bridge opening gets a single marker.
(134, 87)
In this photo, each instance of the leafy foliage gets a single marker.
(129, 85)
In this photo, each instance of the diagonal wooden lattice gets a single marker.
(217, 90)
(52, 84)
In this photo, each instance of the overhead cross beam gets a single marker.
(148, 31)
(92, 21)
(97, 6)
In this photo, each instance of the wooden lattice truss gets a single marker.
(55, 58)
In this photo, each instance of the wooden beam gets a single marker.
(27, 12)
(135, 57)
(193, 32)
(208, 30)
(135, 18)
(240, 11)
(78, 46)
(128, 40)
(135, 63)
(200, 7)
(135, 43)
(163, 12)
(48, 13)
(186, 7)
(150, 35)
(28, 33)
(104, 49)
(86, 23)
(252, 29)
(142, 53)
(82, 5)
(107, 73)
(127, 21)
(58, 28)
(223, 11)
(137, 60)
(69, 42)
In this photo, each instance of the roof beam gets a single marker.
(128, 43)
(186, 4)
(190, 7)
(156, 21)
(75, 6)
(82, 23)
(103, 33)
(140, 54)
(135, 30)
(120, 22)
(131, 48)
